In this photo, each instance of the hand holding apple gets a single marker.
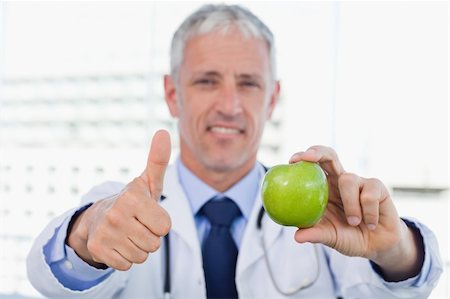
(295, 194)
(361, 220)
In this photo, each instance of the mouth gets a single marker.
(223, 130)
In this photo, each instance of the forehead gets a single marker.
(226, 52)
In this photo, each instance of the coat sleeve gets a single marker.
(40, 273)
(356, 278)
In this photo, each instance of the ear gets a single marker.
(274, 99)
(170, 95)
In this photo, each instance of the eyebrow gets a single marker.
(207, 73)
(250, 77)
(219, 75)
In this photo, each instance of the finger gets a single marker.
(138, 206)
(158, 159)
(325, 156)
(113, 259)
(315, 234)
(155, 218)
(349, 189)
(107, 244)
(297, 157)
(370, 197)
(143, 238)
(129, 251)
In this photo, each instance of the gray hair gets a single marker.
(211, 17)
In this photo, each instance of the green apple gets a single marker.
(295, 194)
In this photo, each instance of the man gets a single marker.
(222, 89)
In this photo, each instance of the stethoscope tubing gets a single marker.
(261, 213)
(167, 286)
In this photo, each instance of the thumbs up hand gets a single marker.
(123, 230)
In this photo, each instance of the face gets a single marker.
(222, 98)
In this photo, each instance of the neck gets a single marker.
(221, 180)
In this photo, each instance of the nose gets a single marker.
(229, 102)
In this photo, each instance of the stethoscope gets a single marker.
(259, 226)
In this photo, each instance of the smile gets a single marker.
(225, 130)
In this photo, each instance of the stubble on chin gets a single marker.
(223, 161)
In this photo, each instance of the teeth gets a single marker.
(225, 130)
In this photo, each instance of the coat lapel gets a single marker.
(251, 248)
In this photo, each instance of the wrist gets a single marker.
(77, 236)
(404, 260)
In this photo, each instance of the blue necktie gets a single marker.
(219, 250)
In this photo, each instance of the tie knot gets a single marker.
(221, 213)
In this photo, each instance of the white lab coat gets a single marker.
(293, 264)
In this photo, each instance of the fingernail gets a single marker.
(353, 220)
(371, 226)
(294, 158)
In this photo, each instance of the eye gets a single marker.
(248, 83)
(205, 81)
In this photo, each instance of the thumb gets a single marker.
(157, 161)
(315, 234)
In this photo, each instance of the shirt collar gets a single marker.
(243, 193)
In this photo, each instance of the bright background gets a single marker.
(81, 95)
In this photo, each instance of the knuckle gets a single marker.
(368, 198)
(333, 153)
(95, 248)
(326, 150)
(347, 178)
(316, 147)
(375, 182)
(330, 150)
(114, 217)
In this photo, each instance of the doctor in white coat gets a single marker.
(222, 89)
